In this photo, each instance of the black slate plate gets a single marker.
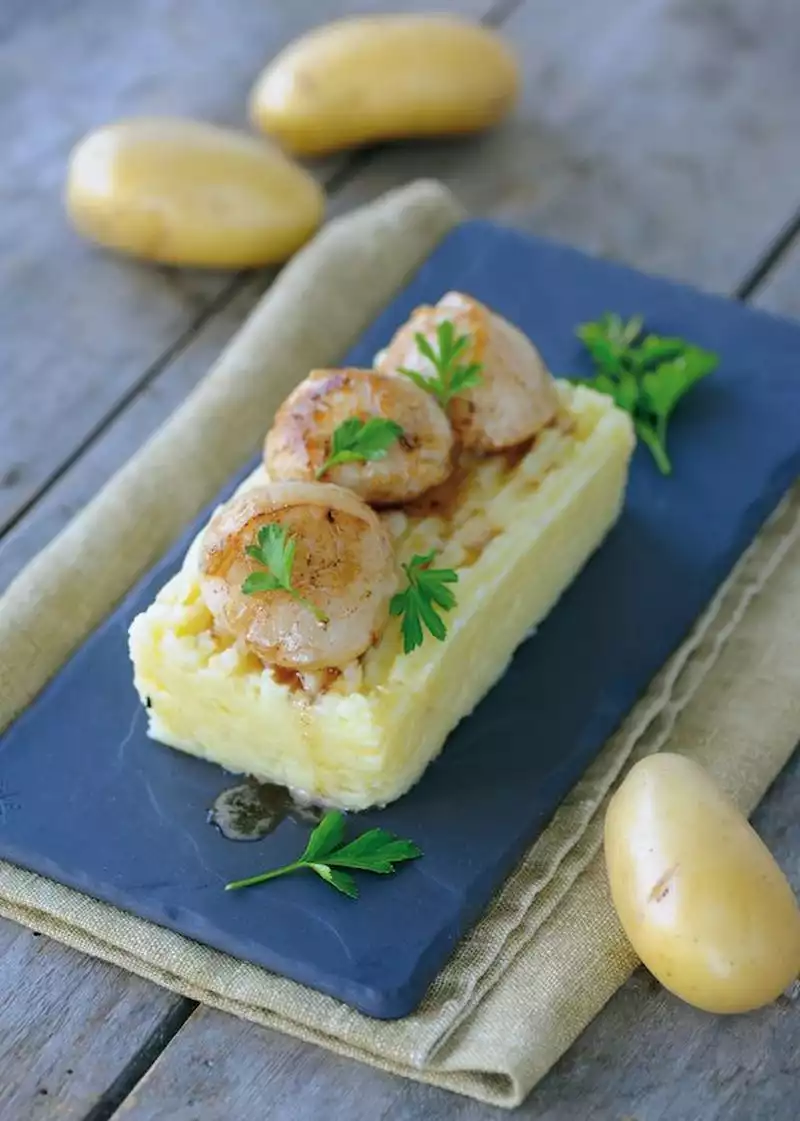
(91, 802)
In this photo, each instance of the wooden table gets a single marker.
(663, 133)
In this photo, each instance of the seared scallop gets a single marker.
(515, 396)
(342, 574)
(419, 441)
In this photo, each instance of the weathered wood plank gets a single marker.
(657, 132)
(647, 1056)
(67, 350)
(76, 339)
(125, 435)
(577, 162)
(552, 146)
(67, 1022)
(781, 290)
(679, 1064)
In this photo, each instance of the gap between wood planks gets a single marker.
(786, 239)
(181, 1012)
(140, 1063)
(770, 258)
(182, 1009)
(349, 172)
(495, 17)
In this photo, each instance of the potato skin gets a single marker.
(368, 79)
(698, 893)
(183, 192)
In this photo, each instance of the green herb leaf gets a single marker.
(325, 854)
(653, 350)
(646, 376)
(656, 443)
(357, 440)
(340, 880)
(426, 591)
(664, 386)
(375, 851)
(275, 550)
(327, 836)
(419, 379)
(449, 377)
(260, 582)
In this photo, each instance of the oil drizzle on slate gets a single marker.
(251, 810)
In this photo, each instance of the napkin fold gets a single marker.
(549, 951)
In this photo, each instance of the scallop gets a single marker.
(300, 442)
(515, 396)
(333, 602)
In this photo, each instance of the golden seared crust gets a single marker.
(343, 566)
(299, 442)
(516, 397)
(516, 528)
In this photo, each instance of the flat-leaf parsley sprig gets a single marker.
(647, 376)
(357, 440)
(427, 590)
(327, 854)
(450, 377)
(275, 550)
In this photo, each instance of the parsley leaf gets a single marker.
(342, 881)
(327, 836)
(427, 590)
(646, 376)
(374, 851)
(361, 440)
(449, 377)
(275, 550)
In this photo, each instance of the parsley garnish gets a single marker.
(374, 851)
(645, 376)
(355, 439)
(427, 589)
(450, 377)
(275, 550)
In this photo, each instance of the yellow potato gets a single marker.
(701, 898)
(188, 193)
(373, 78)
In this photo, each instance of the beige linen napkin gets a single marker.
(549, 952)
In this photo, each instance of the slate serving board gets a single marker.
(90, 801)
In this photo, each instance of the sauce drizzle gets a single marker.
(252, 810)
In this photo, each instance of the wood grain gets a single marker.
(127, 433)
(655, 132)
(647, 1057)
(678, 1064)
(81, 332)
(661, 132)
(617, 147)
(68, 352)
(66, 1022)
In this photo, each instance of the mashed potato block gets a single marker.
(516, 526)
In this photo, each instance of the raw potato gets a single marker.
(701, 899)
(362, 80)
(188, 193)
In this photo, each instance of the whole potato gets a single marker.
(701, 899)
(183, 192)
(373, 78)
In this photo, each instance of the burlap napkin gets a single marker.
(549, 952)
